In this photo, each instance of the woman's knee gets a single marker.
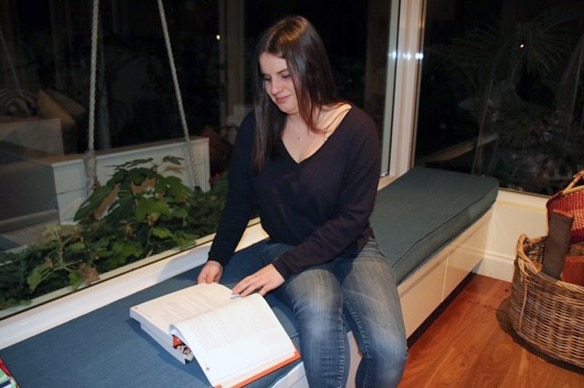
(320, 318)
(314, 291)
(383, 365)
(391, 350)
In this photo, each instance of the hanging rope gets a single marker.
(89, 158)
(22, 101)
(177, 91)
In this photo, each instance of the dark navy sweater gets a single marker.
(320, 205)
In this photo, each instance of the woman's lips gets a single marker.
(281, 100)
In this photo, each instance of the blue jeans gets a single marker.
(356, 291)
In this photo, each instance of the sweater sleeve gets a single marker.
(356, 202)
(241, 200)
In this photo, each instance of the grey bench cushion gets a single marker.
(425, 209)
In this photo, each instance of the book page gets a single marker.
(237, 342)
(157, 314)
(233, 339)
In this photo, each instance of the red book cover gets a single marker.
(6, 378)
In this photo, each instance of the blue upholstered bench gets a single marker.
(415, 217)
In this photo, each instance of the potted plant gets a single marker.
(142, 210)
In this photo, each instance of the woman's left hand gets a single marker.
(263, 281)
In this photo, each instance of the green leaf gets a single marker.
(139, 175)
(161, 233)
(38, 274)
(175, 187)
(133, 163)
(185, 240)
(123, 210)
(91, 204)
(76, 279)
(76, 247)
(176, 160)
(180, 213)
(150, 207)
(128, 249)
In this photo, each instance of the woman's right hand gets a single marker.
(211, 272)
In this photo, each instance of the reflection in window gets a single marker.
(502, 91)
(46, 58)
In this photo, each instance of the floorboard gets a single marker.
(469, 342)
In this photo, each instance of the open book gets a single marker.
(235, 340)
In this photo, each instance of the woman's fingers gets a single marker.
(211, 272)
(263, 281)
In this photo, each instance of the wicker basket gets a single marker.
(545, 312)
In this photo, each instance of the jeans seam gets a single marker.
(342, 354)
(362, 340)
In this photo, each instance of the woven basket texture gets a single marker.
(545, 312)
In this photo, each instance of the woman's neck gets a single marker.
(326, 120)
(296, 128)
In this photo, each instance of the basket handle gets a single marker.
(571, 188)
(521, 240)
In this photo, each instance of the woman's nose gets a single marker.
(276, 87)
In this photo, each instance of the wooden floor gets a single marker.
(471, 343)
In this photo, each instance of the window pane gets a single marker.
(501, 91)
(45, 101)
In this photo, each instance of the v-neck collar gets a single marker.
(328, 139)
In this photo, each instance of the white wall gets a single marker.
(514, 214)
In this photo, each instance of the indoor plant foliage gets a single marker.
(137, 213)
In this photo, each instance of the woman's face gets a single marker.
(278, 83)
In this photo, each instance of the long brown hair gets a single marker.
(296, 40)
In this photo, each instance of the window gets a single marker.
(45, 103)
(502, 91)
(46, 58)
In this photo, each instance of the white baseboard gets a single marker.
(515, 214)
(498, 266)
